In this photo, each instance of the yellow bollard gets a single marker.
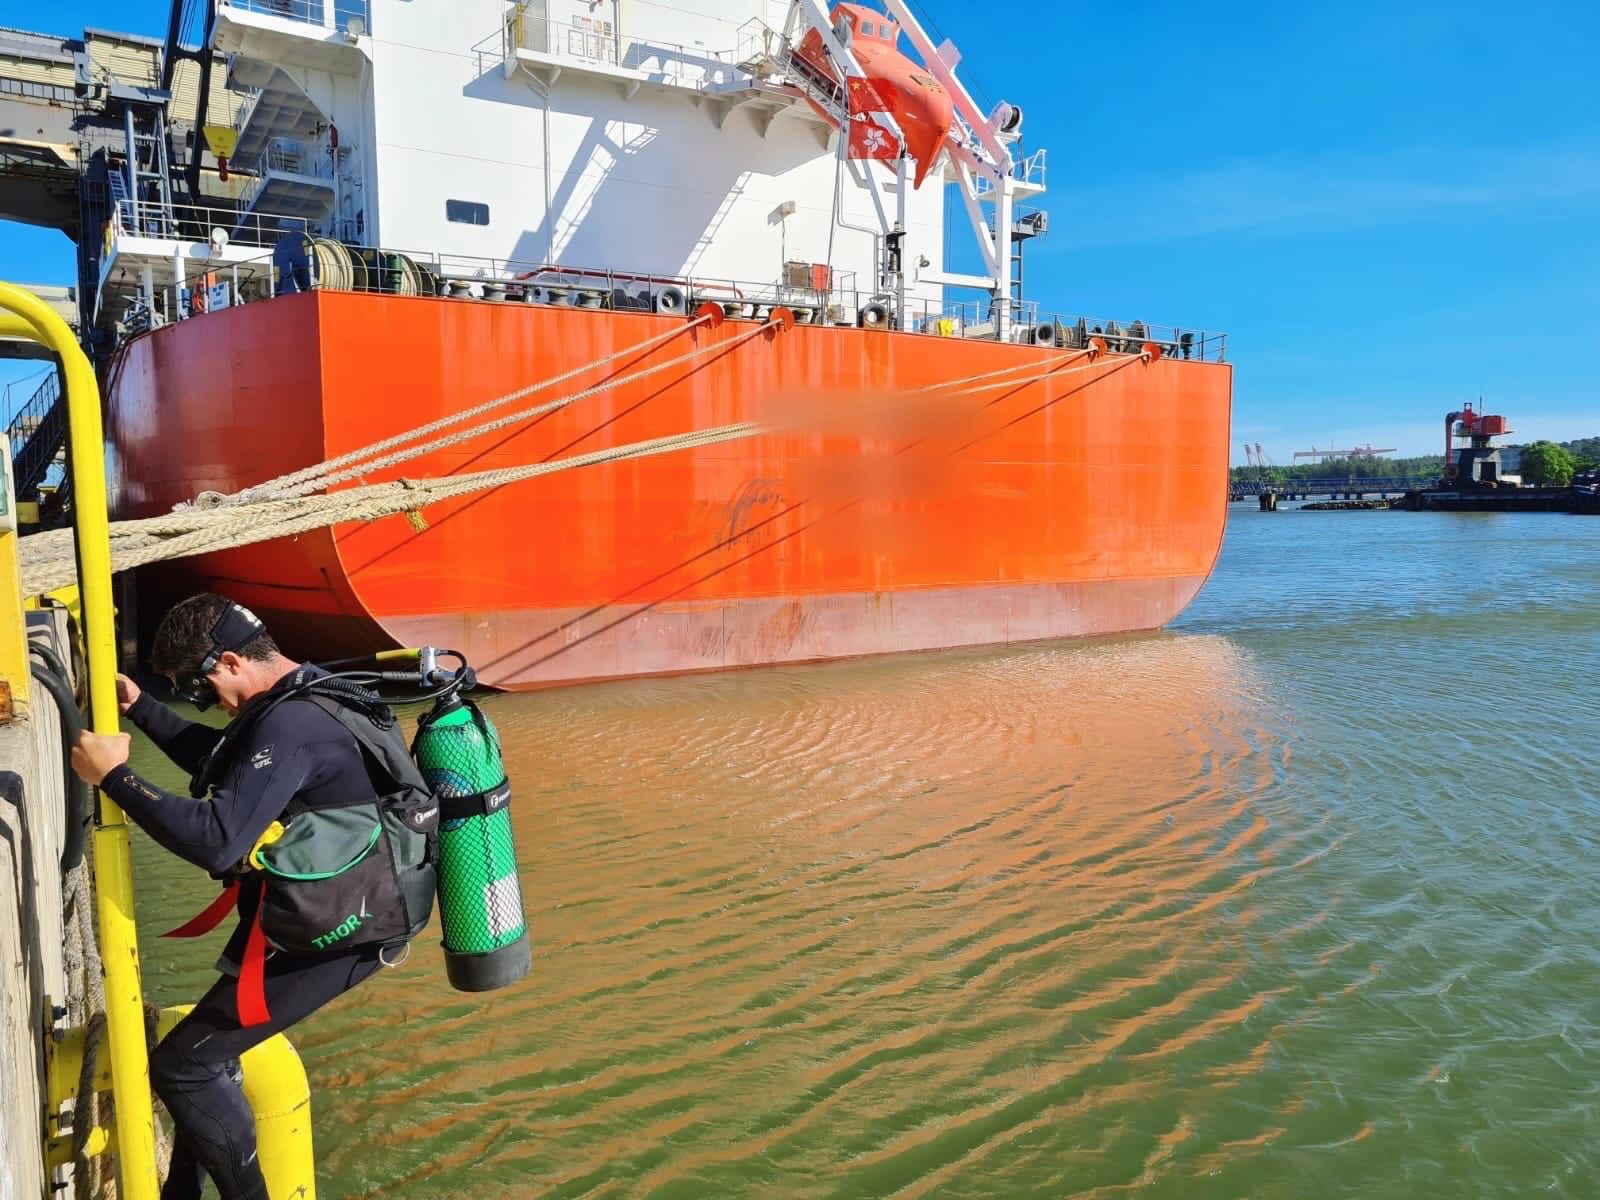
(23, 314)
(275, 1088)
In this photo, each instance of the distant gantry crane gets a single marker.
(1367, 451)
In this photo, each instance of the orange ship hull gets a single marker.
(1091, 502)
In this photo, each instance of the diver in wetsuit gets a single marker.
(287, 751)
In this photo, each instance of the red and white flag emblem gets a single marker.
(868, 139)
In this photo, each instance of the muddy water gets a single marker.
(1296, 899)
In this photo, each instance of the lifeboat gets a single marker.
(916, 100)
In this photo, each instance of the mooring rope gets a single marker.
(48, 560)
(94, 1175)
(49, 563)
(316, 470)
(358, 463)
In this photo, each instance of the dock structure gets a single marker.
(41, 844)
(1503, 499)
(1331, 488)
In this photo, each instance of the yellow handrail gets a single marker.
(24, 315)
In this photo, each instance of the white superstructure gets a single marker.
(678, 139)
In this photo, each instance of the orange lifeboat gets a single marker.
(916, 100)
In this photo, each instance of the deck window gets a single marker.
(466, 212)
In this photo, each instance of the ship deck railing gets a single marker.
(761, 64)
(328, 14)
(602, 46)
(198, 223)
(501, 280)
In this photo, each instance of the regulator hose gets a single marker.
(71, 726)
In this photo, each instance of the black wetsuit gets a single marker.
(295, 751)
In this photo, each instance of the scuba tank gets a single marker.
(480, 899)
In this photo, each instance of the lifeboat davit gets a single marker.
(915, 99)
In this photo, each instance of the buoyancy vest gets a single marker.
(333, 877)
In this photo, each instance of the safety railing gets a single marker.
(285, 156)
(1029, 171)
(27, 384)
(210, 291)
(196, 223)
(764, 52)
(248, 103)
(275, 1082)
(293, 158)
(331, 266)
(601, 43)
(329, 14)
(24, 315)
(1074, 331)
(32, 413)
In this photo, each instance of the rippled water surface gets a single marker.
(1298, 899)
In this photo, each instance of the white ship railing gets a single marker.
(195, 223)
(285, 156)
(204, 292)
(761, 55)
(500, 280)
(247, 109)
(1029, 174)
(603, 44)
(764, 53)
(289, 156)
(329, 14)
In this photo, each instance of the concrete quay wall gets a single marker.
(32, 977)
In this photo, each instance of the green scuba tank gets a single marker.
(480, 900)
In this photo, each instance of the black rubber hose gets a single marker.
(48, 652)
(77, 789)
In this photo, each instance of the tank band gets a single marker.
(479, 804)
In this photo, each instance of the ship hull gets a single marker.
(1089, 502)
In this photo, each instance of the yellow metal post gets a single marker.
(23, 314)
(13, 632)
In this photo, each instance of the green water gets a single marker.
(1298, 899)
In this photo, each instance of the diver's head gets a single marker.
(216, 652)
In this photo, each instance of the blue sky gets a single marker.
(1390, 207)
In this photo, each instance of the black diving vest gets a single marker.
(339, 876)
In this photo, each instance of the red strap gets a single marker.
(252, 992)
(210, 917)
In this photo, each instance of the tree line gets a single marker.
(1543, 463)
(1429, 465)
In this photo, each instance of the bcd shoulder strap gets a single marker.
(383, 746)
